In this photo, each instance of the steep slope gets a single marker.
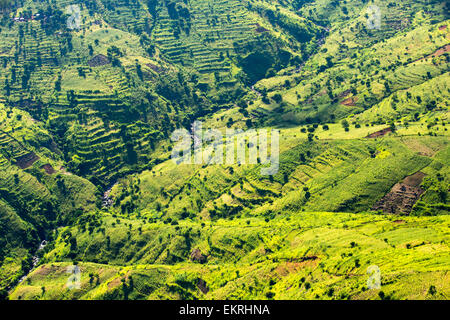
(131, 72)
(88, 109)
(36, 193)
(358, 67)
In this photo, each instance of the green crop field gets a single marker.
(91, 93)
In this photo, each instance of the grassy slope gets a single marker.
(31, 199)
(275, 244)
(344, 163)
(359, 66)
(263, 238)
(175, 61)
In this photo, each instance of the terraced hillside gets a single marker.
(87, 109)
(358, 68)
(36, 193)
(322, 256)
(161, 64)
(200, 232)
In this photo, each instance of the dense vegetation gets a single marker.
(86, 115)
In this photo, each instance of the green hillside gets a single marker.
(320, 255)
(88, 105)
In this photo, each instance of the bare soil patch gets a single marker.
(46, 270)
(202, 285)
(288, 267)
(114, 283)
(155, 68)
(437, 53)
(441, 51)
(197, 256)
(379, 134)
(414, 180)
(99, 60)
(27, 160)
(350, 102)
(403, 196)
(117, 281)
(48, 168)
